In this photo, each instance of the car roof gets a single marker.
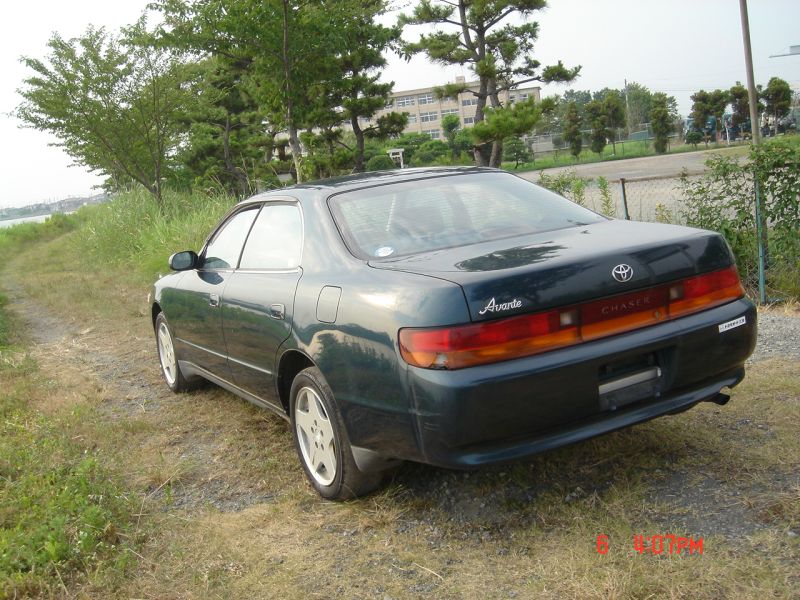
(370, 179)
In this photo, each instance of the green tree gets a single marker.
(451, 125)
(507, 121)
(661, 120)
(278, 42)
(709, 104)
(638, 100)
(359, 62)
(740, 104)
(478, 34)
(598, 119)
(429, 152)
(614, 110)
(572, 129)
(225, 142)
(515, 149)
(113, 105)
(778, 99)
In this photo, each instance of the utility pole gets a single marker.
(761, 224)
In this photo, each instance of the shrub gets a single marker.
(380, 162)
(567, 183)
(607, 207)
(723, 199)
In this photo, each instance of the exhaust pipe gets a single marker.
(720, 398)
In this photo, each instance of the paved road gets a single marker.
(668, 165)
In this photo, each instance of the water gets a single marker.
(12, 222)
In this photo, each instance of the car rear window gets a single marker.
(430, 214)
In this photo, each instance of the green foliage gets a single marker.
(18, 236)
(740, 105)
(663, 214)
(131, 231)
(694, 138)
(515, 149)
(567, 183)
(572, 129)
(450, 127)
(380, 162)
(507, 121)
(429, 153)
(661, 121)
(778, 98)
(595, 113)
(607, 206)
(112, 104)
(723, 200)
(410, 143)
(708, 104)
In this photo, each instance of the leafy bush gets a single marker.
(567, 183)
(694, 138)
(723, 200)
(430, 152)
(380, 162)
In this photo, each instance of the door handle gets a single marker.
(213, 300)
(277, 311)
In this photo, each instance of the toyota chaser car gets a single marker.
(457, 317)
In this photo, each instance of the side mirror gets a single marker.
(183, 261)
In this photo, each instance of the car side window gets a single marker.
(276, 240)
(223, 251)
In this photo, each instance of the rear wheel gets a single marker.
(167, 357)
(321, 440)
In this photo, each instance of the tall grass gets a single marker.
(132, 231)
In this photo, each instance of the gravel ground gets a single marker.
(778, 336)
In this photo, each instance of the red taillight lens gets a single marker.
(494, 341)
(704, 291)
(468, 345)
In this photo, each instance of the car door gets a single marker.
(195, 311)
(258, 301)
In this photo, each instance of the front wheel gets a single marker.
(321, 441)
(167, 357)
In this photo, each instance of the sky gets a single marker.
(674, 46)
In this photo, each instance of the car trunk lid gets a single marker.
(511, 276)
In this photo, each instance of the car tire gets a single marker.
(167, 356)
(321, 441)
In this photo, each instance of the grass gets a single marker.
(63, 516)
(214, 503)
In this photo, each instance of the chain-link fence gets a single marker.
(640, 199)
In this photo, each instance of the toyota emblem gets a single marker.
(622, 273)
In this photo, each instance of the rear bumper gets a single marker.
(510, 410)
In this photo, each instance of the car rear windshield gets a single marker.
(442, 212)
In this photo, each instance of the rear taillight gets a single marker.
(704, 291)
(494, 341)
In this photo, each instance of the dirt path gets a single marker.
(119, 365)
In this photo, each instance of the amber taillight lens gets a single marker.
(473, 344)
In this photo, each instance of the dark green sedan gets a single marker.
(456, 317)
